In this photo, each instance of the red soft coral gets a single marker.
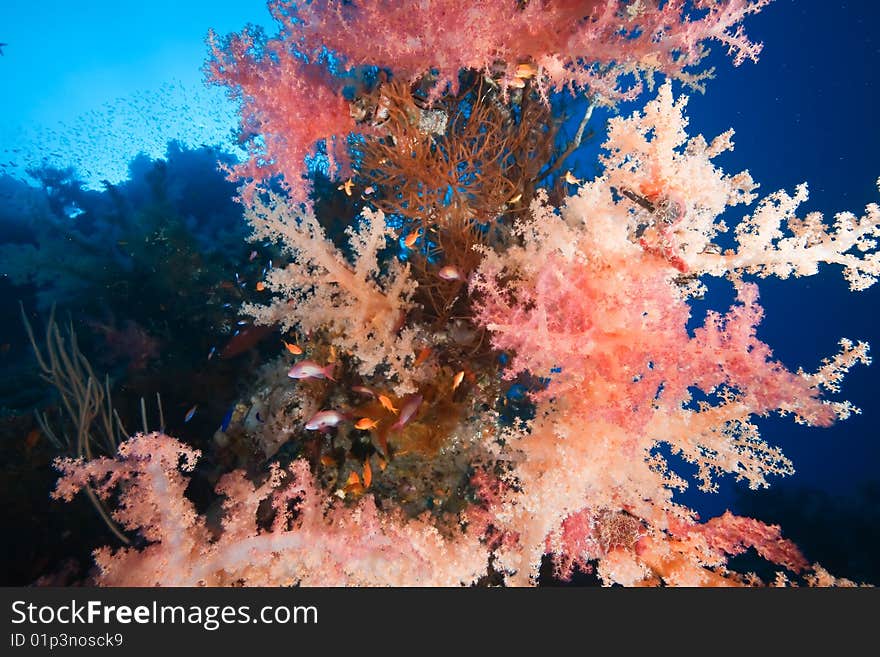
(286, 101)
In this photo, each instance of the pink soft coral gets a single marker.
(291, 104)
(585, 302)
(311, 540)
(575, 43)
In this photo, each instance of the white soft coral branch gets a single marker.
(764, 249)
(651, 162)
(362, 308)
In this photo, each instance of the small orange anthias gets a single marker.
(365, 424)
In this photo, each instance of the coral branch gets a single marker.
(362, 308)
(312, 541)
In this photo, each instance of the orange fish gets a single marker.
(368, 474)
(382, 464)
(328, 461)
(386, 404)
(457, 380)
(526, 71)
(353, 485)
(260, 286)
(366, 423)
(292, 348)
(346, 187)
(411, 239)
(423, 356)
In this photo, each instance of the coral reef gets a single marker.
(488, 366)
(320, 542)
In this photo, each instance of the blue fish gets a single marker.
(190, 413)
(211, 353)
(224, 425)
